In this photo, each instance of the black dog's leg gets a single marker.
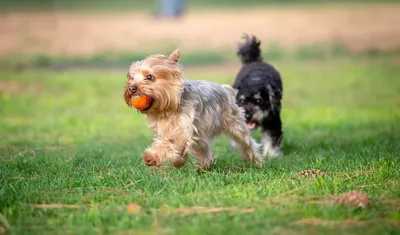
(271, 135)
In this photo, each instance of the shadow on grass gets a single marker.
(321, 143)
(344, 138)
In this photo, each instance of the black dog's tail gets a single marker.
(249, 51)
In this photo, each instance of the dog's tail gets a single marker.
(249, 51)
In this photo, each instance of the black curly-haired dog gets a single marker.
(259, 92)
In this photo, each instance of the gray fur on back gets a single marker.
(210, 101)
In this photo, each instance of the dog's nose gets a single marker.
(133, 88)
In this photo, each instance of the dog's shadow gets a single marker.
(316, 140)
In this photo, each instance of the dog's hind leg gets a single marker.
(202, 152)
(233, 143)
(235, 126)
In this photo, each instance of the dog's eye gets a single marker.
(258, 101)
(241, 101)
(149, 77)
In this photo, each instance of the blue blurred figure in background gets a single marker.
(171, 8)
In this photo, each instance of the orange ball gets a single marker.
(140, 102)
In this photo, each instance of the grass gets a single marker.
(70, 144)
(271, 52)
(105, 59)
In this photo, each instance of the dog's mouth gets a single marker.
(254, 118)
(148, 106)
(251, 125)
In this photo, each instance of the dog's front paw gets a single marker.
(179, 163)
(151, 159)
(205, 163)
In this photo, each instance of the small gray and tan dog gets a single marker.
(186, 115)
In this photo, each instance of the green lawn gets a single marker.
(68, 140)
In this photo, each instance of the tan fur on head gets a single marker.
(175, 55)
(166, 86)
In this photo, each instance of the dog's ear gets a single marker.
(274, 99)
(175, 55)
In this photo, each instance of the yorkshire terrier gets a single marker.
(186, 115)
(259, 93)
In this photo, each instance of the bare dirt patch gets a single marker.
(11, 87)
(357, 26)
(344, 223)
